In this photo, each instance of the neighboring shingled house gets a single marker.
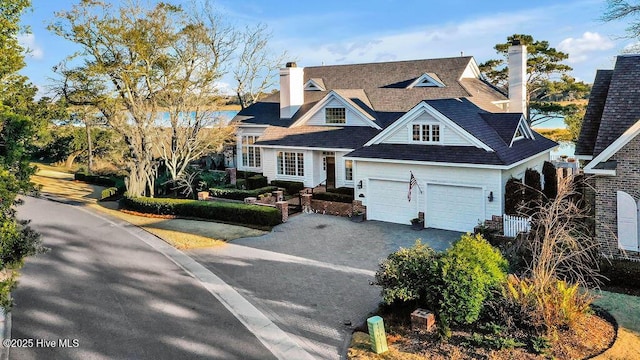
(371, 126)
(610, 144)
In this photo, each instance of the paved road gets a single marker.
(311, 275)
(117, 296)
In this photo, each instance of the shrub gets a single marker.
(621, 272)
(108, 181)
(237, 194)
(513, 196)
(245, 174)
(550, 180)
(470, 270)
(547, 307)
(407, 274)
(291, 187)
(108, 193)
(532, 190)
(256, 181)
(344, 191)
(241, 184)
(210, 210)
(209, 179)
(330, 196)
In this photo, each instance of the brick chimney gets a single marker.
(518, 78)
(291, 90)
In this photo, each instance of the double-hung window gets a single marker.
(426, 133)
(250, 153)
(290, 163)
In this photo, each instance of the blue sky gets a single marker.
(354, 31)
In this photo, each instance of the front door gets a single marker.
(331, 172)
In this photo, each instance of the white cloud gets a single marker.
(579, 49)
(28, 41)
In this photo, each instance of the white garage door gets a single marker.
(455, 208)
(388, 202)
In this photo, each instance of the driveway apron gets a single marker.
(312, 275)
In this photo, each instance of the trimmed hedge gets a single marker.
(291, 187)
(256, 182)
(237, 194)
(621, 272)
(95, 179)
(210, 210)
(245, 174)
(330, 196)
(109, 193)
(344, 190)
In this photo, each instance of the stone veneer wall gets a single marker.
(627, 179)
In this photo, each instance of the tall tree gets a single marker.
(622, 9)
(257, 66)
(17, 131)
(137, 63)
(548, 81)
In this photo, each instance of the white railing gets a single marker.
(513, 225)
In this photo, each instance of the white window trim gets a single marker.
(284, 165)
(257, 155)
(335, 123)
(345, 171)
(431, 123)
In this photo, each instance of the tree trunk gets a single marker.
(68, 163)
(89, 148)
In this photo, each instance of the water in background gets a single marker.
(225, 115)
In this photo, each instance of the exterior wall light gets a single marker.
(490, 196)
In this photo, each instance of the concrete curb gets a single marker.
(281, 345)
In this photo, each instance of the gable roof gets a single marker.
(620, 110)
(495, 130)
(355, 99)
(385, 86)
(592, 116)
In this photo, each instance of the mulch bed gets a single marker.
(592, 336)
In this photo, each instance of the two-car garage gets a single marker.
(449, 207)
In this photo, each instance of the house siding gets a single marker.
(626, 179)
(487, 179)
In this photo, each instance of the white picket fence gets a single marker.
(513, 225)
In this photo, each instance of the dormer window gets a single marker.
(335, 115)
(427, 80)
(314, 85)
(426, 133)
(523, 131)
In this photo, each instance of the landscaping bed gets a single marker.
(592, 336)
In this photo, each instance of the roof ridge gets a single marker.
(468, 57)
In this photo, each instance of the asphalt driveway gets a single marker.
(312, 275)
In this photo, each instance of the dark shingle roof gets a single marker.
(622, 107)
(504, 124)
(432, 153)
(474, 120)
(347, 137)
(593, 115)
(384, 85)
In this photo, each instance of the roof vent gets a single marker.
(291, 64)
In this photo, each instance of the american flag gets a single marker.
(412, 182)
